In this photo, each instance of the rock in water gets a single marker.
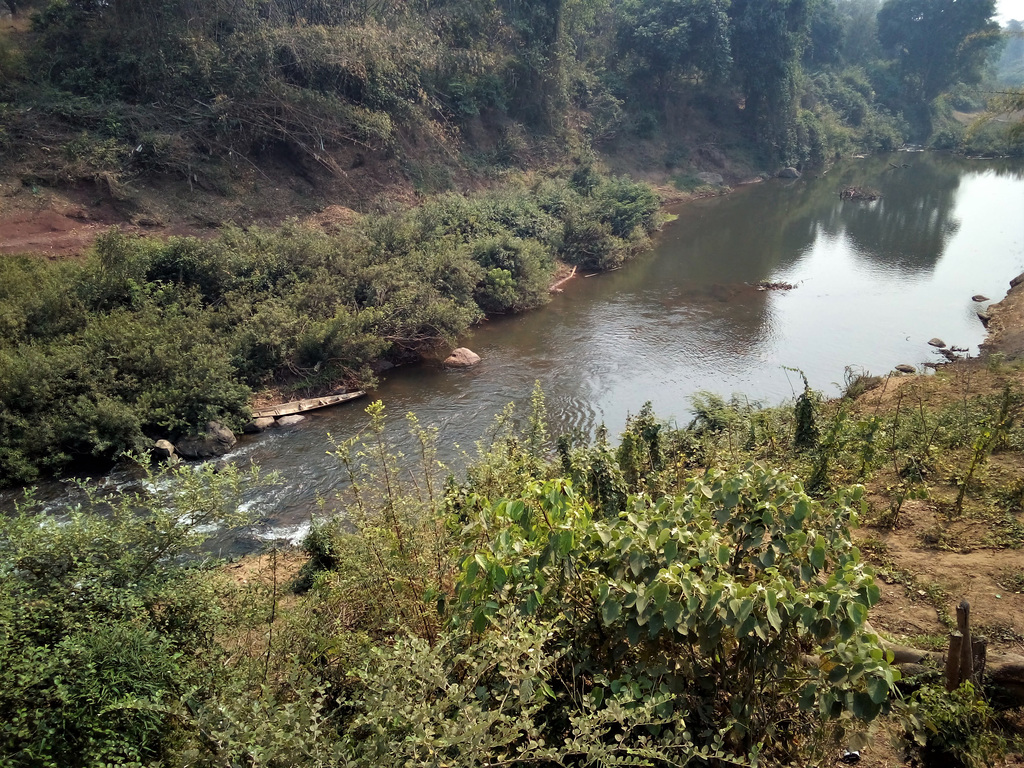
(1017, 280)
(163, 450)
(216, 441)
(462, 358)
(258, 425)
(985, 317)
(789, 173)
(937, 342)
(904, 368)
(979, 297)
(289, 421)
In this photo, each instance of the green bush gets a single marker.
(153, 338)
(733, 580)
(103, 628)
(951, 728)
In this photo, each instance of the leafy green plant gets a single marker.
(102, 624)
(723, 580)
(951, 728)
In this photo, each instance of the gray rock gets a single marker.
(163, 450)
(979, 297)
(258, 425)
(904, 368)
(1017, 280)
(936, 342)
(789, 173)
(985, 317)
(462, 358)
(216, 441)
(289, 421)
(714, 179)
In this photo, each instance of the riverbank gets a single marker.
(942, 519)
(1006, 323)
(195, 325)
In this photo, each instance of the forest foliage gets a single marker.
(149, 338)
(530, 625)
(129, 87)
(692, 596)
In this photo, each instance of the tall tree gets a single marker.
(937, 42)
(678, 37)
(768, 38)
(860, 30)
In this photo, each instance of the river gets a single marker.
(874, 282)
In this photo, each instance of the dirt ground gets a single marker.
(1006, 323)
(932, 560)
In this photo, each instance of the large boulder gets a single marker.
(904, 368)
(462, 358)
(789, 173)
(979, 297)
(216, 441)
(937, 342)
(1017, 280)
(163, 450)
(290, 421)
(258, 424)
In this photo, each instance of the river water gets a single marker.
(874, 282)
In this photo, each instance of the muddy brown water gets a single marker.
(874, 282)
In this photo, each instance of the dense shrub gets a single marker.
(151, 338)
(104, 628)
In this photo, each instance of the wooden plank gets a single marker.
(310, 404)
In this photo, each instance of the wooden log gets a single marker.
(558, 286)
(979, 654)
(953, 661)
(963, 624)
(300, 406)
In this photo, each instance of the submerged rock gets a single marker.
(904, 368)
(288, 421)
(789, 173)
(216, 441)
(937, 342)
(1017, 280)
(462, 358)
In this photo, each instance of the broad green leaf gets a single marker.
(659, 594)
(610, 610)
(723, 555)
(671, 549)
(878, 689)
(654, 626)
(817, 556)
(633, 632)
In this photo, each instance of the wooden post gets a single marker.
(953, 661)
(963, 623)
(979, 652)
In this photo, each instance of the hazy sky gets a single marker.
(1010, 9)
